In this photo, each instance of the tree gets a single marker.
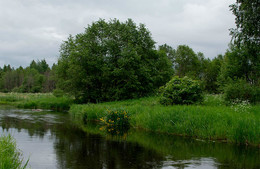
(111, 61)
(247, 14)
(212, 72)
(170, 52)
(40, 66)
(33, 81)
(186, 62)
(49, 83)
(246, 37)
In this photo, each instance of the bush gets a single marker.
(240, 90)
(181, 91)
(58, 93)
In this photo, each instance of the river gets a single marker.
(52, 140)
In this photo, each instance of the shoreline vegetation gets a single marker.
(36, 101)
(10, 155)
(210, 120)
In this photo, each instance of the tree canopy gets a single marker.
(111, 61)
(246, 38)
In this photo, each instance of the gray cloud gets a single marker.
(34, 29)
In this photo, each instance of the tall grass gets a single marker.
(36, 101)
(211, 120)
(10, 156)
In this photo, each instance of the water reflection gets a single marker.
(53, 141)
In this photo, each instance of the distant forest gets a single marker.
(37, 77)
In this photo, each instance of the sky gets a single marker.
(35, 29)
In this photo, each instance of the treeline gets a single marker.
(183, 61)
(38, 77)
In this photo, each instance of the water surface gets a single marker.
(51, 140)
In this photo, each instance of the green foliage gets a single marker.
(237, 64)
(58, 93)
(181, 91)
(40, 66)
(53, 103)
(38, 77)
(36, 101)
(246, 37)
(240, 90)
(116, 122)
(169, 51)
(247, 14)
(212, 120)
(10, 156)
(186, 62)
(111, 61)
(212, 71)
(213, 100)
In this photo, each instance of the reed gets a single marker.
(10, 156)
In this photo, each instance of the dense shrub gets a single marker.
(240, 90)
(181, 91)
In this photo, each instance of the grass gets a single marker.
(36, 101)
(10, 156)
(211, 120)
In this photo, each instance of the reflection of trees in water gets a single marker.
(179, 148)
(33, 128)
(93, 151)
(77, 149)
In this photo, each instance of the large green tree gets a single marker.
(187, 62)
(111, 61)
(246, 38)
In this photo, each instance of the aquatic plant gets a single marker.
(116, 122)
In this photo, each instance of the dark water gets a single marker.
(51, 140)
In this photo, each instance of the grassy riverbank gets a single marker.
(10, 156)
(36, 101)
(212, 120)
(239, 123)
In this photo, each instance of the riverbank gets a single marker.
(212, 120)
(36, 101)
(10, 156)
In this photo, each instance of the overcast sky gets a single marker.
(34, 29)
